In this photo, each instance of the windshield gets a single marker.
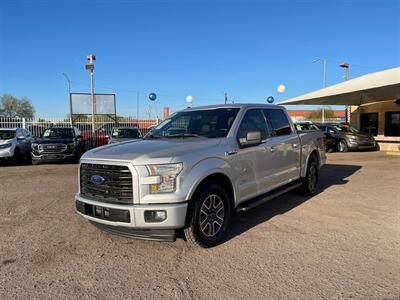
(7, 134)
(345, 128)
(58, 133)
(211, 123)
(125, 133)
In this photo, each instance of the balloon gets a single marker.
(189, 99)
(281, 88)
(152, 96)
(270, 99)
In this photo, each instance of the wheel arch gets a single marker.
(219, 177)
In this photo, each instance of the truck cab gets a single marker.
(194, 169)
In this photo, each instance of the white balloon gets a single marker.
(281, 88)
(189, 99)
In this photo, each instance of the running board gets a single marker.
(267, 197)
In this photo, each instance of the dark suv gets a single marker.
(348, 138)
(58, 144)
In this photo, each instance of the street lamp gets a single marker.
(69, 96)
(323, 60)
(345, 65)
(90, 66)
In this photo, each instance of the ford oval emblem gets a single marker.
(97, 179)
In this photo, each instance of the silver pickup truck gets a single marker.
(194, 169)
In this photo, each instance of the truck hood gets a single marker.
(142, 152)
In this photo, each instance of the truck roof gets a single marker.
(236, 105)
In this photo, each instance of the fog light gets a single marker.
(155, 216)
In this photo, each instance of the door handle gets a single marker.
(233, 152)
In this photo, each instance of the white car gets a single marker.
(15, 143)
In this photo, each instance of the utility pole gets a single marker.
(345, 65)
(69, 97)
(226, 97)
(90, 66)
(137, 105)
(323, 85)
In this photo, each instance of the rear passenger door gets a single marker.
(284, 144)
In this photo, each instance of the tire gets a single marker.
(342, 146)
(208, 216)
(310, 182)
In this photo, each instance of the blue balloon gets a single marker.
(270, 99)
(152, 96)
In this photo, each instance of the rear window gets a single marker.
(278, 121)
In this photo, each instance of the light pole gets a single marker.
(345, 65)
(69, 96)
(323, 85)
(90, 66)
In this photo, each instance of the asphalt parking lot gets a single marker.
(342, 243)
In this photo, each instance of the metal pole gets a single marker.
(226, 97)
(93, 108)
(324, 85)
(69, 97)
(137, 105)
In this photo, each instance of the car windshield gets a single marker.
(345, 128)
(125, 133)
(58, 133)
(210, 123)
(7, 134)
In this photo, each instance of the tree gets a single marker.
(316, 114)
(12, 107)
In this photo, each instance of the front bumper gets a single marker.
(362, 145)
(7, 153)
(52, 157)
(130, 216)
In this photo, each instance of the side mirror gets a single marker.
(252, 138)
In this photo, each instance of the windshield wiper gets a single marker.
(182, 135)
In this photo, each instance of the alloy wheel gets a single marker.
(212, 215)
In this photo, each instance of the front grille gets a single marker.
(52, 148)
(115, 188)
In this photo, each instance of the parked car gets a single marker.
(15, 143)
(330, 143)
(58, 144)
(124, 134)
(224, 158)
(347, 137)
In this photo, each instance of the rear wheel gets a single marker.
(342, 146)
(208, 216)
(309, 183)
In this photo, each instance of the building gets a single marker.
(374, 101)
(302, 115)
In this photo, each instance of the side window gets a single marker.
(253, 120)
(278, 121)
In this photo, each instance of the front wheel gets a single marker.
(342, 146)
(208, 216)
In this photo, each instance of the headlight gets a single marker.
(5, 146)
(34, 146)
(168, 174)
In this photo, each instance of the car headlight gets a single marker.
(5, 146)
(168, 174)
(34, 146)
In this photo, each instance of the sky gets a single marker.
(192, 47)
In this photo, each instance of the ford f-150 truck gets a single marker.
(194, 169)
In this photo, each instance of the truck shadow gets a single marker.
(330, 175)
